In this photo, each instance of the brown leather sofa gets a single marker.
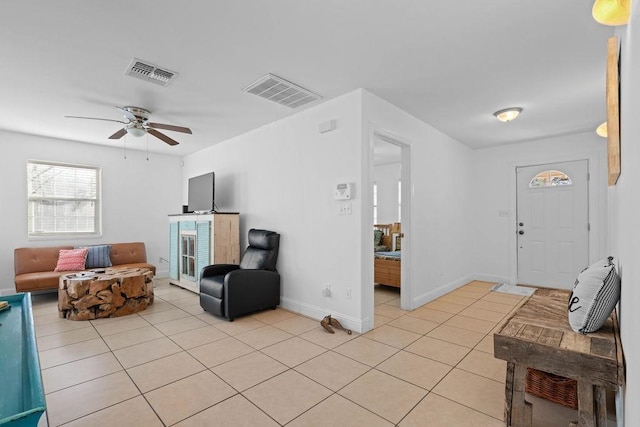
(34, 266)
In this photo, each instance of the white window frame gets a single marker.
(97, 208)
(549, 178)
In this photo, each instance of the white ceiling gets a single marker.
(448, 63)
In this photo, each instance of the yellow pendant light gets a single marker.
(612, 12)
(602, 130)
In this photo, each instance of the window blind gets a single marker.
(62, 199)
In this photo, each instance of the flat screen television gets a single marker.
(202, 192)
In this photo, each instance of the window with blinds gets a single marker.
(64, 200)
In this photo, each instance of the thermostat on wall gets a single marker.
(342, 191)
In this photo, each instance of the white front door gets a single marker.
(552, 223)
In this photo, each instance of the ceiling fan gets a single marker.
(137, 124)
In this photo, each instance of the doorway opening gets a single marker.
(391, 184)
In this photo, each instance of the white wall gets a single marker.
(281, 177)
(437, 243)
(494, 198)
(386, 178)
(137, 195)
(625, 213)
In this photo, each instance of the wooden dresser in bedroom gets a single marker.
(386, 271)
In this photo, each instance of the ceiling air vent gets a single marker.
(283, 92)
(149, 72)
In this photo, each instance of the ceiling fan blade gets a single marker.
(169, 127)
(162, 136)
(95, 118)
(128, 114)
(118, 134)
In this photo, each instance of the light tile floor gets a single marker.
(174, 364)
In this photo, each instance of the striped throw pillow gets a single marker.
(594, 296)
(99, 256)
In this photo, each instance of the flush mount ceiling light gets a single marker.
(612, 12)
(508, 114)
(602, 130)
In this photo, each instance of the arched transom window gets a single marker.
(550, 178)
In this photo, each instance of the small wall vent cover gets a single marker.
(152, 73)
(283, 92)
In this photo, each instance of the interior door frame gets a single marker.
(367, 300)
(596, 239)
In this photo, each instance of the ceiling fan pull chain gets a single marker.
(147, 136)
(125, 147)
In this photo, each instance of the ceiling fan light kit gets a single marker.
(508, 114)
(137, 125)
(612, 12)
(136, 130)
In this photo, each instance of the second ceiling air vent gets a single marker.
(152, 73)
(283, 92)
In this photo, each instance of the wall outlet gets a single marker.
(326, 292)
(344, 208)
(348, 293)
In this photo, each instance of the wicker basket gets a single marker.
(552, 387)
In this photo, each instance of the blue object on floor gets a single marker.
(22, 400)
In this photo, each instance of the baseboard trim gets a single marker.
(359, 325)
(161, 274)
(442, 290)
(492, 278)
(319, 313)
(7, 291)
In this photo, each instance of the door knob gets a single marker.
(521, 232)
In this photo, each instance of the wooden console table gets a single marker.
(538, 336)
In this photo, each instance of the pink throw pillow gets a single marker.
(71, 259)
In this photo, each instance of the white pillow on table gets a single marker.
(594, 296)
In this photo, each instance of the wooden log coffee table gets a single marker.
(109, 292)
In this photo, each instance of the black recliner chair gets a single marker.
(231, 290)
